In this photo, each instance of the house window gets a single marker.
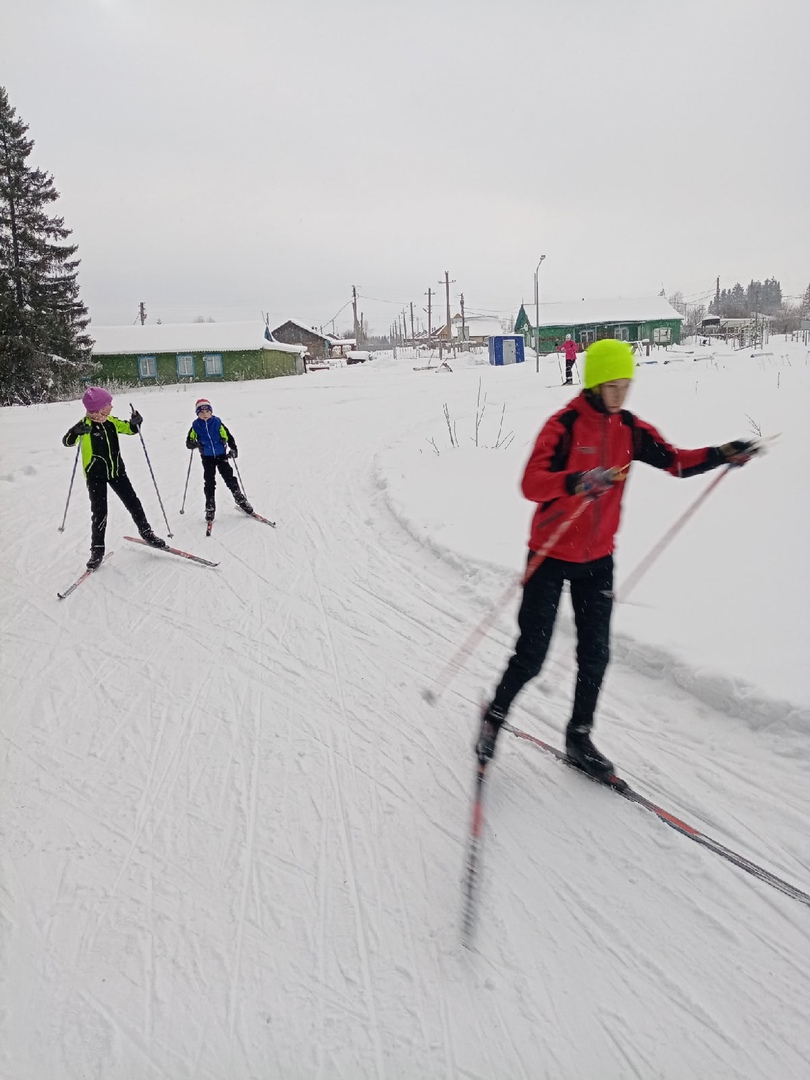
(185, 366)
(213, 363)
(587, 337)
(621, 333)
(147, 367)
(662, 335)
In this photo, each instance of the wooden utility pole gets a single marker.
(354, 310)
(142, 312)
(430, 325)
(413, 335)
(463, 323)
(717, 297)
(447, 284)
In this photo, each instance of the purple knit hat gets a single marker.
(96, 398)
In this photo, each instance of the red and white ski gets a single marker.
(172, 551)
(621, 787)
(264, 520)
(84, 577)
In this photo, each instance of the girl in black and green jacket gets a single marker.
(98, 434)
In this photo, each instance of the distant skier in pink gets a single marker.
(570, 350)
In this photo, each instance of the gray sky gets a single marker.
(227, 157)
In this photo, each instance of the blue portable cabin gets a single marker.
(506, 349)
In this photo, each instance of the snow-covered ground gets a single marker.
(233, 830)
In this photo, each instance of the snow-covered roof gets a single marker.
(344, 341)
(621, 309)
(303, 326)
(184, 337)
(479, 326)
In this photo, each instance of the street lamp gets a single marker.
(537, 315)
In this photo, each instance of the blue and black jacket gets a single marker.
(210, 437)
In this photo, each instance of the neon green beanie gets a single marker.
(607, 360)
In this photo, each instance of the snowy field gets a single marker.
(233, 831)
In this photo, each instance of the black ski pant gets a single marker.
(210, 466)
(592, 600)
(97, 490)
(569, 367)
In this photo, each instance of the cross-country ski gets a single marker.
(173, 551)
(82, 578)
(621, 787)
(264, 520)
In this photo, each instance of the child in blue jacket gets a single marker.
(216, 444)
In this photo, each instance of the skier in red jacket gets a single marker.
(570, 349)
(584, 451)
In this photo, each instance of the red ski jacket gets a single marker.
(570, 350)
(583, 436)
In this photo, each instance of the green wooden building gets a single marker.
(649, 318)
(158, 353)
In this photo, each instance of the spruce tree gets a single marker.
(44, 347)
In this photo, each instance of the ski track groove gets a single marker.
(345, 834)
(250, 813)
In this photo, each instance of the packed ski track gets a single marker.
(234, 831)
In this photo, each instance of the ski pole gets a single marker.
(645, 564)
(154, 481)
(241, 485)
(70, 489)
(185, 489)
(455, 665)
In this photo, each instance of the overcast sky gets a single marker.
(228, 157)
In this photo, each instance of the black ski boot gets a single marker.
(490, 726)
(210, 510)
(96, 558)
(582, 753)
(242, 503)
(150, 538)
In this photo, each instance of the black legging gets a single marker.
(97, 490)
(210, 467)
(592, 600)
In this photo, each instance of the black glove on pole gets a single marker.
(70, 489)
(185, 489)
(154, 481)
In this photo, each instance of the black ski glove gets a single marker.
(234, 453)
(82, 428)
(738, 453)
(135, 420)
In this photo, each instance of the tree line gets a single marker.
(44, 344)
(744, 302)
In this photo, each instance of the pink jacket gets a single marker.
(570, 350)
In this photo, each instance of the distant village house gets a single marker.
(192, 352)
(650, 318)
